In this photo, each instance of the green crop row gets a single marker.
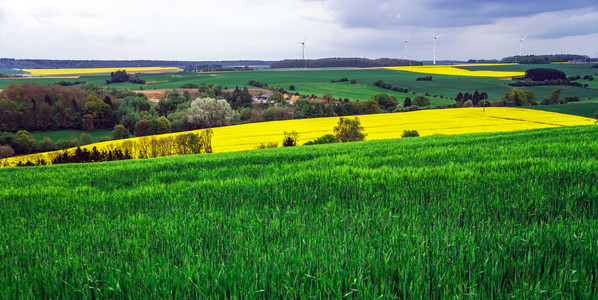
(485, 215)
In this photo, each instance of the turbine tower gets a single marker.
(435, 37)
(521, 43)
(406, 41)
(303, 50)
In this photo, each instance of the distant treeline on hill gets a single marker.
(11, 63)
(338, 62)
(545, 59)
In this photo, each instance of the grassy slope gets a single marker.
(491, 215)
(318, 82)
(586, 109)
(66, 134)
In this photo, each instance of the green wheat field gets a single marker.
(504, 215)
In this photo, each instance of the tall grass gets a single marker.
(483, 215)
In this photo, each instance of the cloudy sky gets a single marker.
(271, 29)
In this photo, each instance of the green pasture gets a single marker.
(503, 215)
(66, 134)
(317, 82)
(584, 109)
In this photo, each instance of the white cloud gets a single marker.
(269, 29)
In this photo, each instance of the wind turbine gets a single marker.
(521, 43)
(435, 37)
(303, 50)
(406, 41)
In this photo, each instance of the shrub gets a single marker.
(46, 144)
(120, 132)
(86, 138)
(420, 100)
(6, 151)
(349, 130)
(25, 142)
(325, 139)
(290, 139)
(267, 145)
(409, 133)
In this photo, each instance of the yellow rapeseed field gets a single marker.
(456, 70)
(377, 126)
(58, 72)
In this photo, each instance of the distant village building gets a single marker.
(263, 98)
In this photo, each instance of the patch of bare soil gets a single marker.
(155, 95)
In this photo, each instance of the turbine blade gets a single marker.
(305, 39)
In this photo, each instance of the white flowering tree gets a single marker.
(209, 112)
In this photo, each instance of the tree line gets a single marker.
(545, 59)
(337, 62)
(146, 147)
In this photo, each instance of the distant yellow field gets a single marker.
(455, 70)
(58, 72)
(377, 127)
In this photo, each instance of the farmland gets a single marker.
(458, 71)
(486, 215)
(60, 72)
(318, 81)
(377, 126)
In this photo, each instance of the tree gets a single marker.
(554, 96)
(409, 133)
(239, 98)
(46, 144)
(385, 101)
(290, 139)
(25, 142)
(420, 101)
(349, 130)
(165, 124)
(459, 97)
(7, 138)
(118, 76)
(155, 127)
(120, 132)
(96, 113)
(141, 128)
(541, 74)
(476, 98)
(519, 97)
(277, 97)
(209, 112)
(328, 97)
(407, 102)
(366, 107)
(6, 151)
(86, 138)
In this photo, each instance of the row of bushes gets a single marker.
(388, 86)
(146, 147)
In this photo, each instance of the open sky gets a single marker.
(272, 29)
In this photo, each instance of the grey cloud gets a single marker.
(438, 13)
(576, 25)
